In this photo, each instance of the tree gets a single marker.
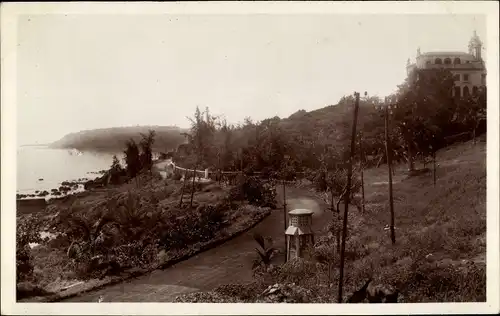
(132, 158)
(423, 104)
(146, 156)
(201, 140)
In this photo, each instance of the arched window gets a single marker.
(456, 61)
(457, 92)
(428, 62)
(466, 91)
(474, 90)
(438, 61)
(447, 61)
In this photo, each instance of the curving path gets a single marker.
(228, 263)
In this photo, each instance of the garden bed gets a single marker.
(171, 259)
(212, 220)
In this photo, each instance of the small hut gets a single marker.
(299, 234)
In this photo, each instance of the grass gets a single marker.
(440, 230)
(439, 255)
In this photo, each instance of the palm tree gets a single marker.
(91, 233)
(265, 252)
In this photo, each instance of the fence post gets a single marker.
(206, 173)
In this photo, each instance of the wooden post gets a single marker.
(183, 186)
(346, 198)
(389, 166)
(361, 166)
(284, 218)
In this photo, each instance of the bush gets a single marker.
(27, 232)
(195, 225)
(245, 292)
(254, 190)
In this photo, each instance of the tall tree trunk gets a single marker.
(362, 190)
(284, 218)
(346, 198)
(389, 166)
(192, 189)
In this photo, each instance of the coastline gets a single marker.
(36, 200)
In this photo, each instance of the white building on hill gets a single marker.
(468, 68)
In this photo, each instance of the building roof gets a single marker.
(294, 231)
(446, 54)
(301, 211)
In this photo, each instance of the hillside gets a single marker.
(333, 121)
(440, 249)
(113, 139)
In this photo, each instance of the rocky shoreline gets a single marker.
(70, 187)
(66, 188)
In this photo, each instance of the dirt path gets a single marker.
(228, 263)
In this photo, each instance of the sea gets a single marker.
(42, 168)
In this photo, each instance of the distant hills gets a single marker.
(113, 139)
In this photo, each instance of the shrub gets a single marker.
(27, 232)
(254, 190)
(195, 225)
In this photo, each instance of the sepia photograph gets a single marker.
(301, 153)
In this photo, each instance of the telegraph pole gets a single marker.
(389, 166)
(361, 166)
(284, 207)
(347, 195)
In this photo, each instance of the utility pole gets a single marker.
(347, 195)
(361, 166)
(284, 208)
(389, 166)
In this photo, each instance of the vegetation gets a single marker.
(131, 225)
(112, 139)
(126, 228)
(439, 226)
(424, 117)
(439, 255)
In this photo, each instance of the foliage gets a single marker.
(116, 172)
(132, 158)
(265, 251)
(27, 232)
(112, 139)
(197, 225)
(146, 156)
(254, 190)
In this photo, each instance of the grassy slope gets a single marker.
(439, 230)
(440, 248)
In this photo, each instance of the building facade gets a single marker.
(468, 69)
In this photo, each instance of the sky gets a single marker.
(83, 71)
